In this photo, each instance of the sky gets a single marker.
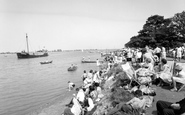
(77, 24)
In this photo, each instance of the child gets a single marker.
(71, 85)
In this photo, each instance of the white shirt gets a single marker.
(139, 54)
(125, 66)
(90, 75)
(150, 67)
(136, 102)
(87, 81)
(96, 78)
(71, 84)
(80, 95)
(76, 108)
(84, 75)
(157, 50)
(91, 104)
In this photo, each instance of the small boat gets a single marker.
(72, 68)
(86, 61)
(46, 62)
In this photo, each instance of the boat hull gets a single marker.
(46, 62)
(72, 68)
(88, 61)
(27, 55)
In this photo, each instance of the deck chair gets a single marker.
(172, 67)
(136, 80)
(130, 72)
(182, 85)
(132, 75)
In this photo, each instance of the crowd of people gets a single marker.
(123, 84)
(84, 101)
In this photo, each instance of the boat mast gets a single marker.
(27, 43)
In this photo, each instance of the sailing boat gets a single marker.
(24, 55)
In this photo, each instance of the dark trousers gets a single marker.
(139, 60)
(92, 111)
(164, 108)
(158, 55)
(120, 107)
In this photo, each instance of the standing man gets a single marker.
(157, 52)
(163, 53)
(179, 53)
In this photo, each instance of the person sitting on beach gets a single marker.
(144, 75)
(169, 108)
(84, 76)
(94, 93)
(89, 106)
(99, 92)
(179, 77)
(90, 74)
(70, 85)
(80, 95)
(87, 82)
(143, 71)
(127, 68)
(74, 107)
(136, 103)
(148, 54)
(164, 74)
(96, 77)
(150, 65)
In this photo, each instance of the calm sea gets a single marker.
(26, 85)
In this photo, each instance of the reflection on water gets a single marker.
(25, 84)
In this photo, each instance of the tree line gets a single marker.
(158, 31)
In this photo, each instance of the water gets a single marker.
(26, 85)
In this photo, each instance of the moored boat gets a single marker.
(46, 62)
(72, 68)
(25, 55)
(86, 61)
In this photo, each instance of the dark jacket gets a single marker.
(182, 106)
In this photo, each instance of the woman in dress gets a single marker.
(164, 74)
(179, 77)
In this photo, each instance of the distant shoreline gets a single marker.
(58, 50)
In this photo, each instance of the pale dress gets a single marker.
(179, 53)
(163, 55)
(165, 74)
(180, 77)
